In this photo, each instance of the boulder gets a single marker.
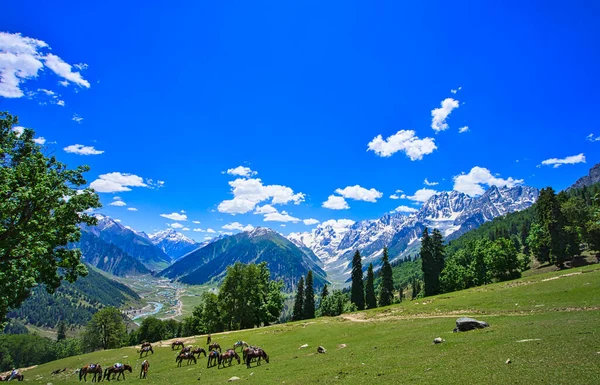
(465, 324)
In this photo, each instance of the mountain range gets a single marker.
(174, 244)
(453, 213)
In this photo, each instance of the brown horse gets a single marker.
(199, 351)
(184, 356)
(146, 350)
(208, 339)
(246, 350)
(176, 344)
(146, 345)
(144, 371)
(256, 353)
(214, 345)
(230, 354)
(186, 349)
(91, 368)
(118, 371)
(213, 358)
(18, 377)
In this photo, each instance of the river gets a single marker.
(157, 307)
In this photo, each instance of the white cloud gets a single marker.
(247, 193)
(132, 209)
(266, 209)
(335, 202)
(471, 183)
(463, 129)
(422, 195)
(439, 115)
(60, 103)
(238, 226)
(81, 66)
(22, 58)
(41, 140)
(403, 140)
(185, 229)
(117, 220)
(360, 193)
(405, 209)
(428, 183)
(394, 196)
(591, 138)
(568, 160)
(211, 231)
(117, 203)
(80, 149)
(175, 225)
(241, 171)
(280, 217)
(117, 182)
(77, 118)
(199, 230)
(338, 224)
(175, 216)
(310, 221)
(182, 211)
(454, 91)
(196, 222)
(282, 225)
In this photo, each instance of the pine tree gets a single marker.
(439, 254)
(370, 289)
(299, 304)
(428, 263)
(309, 297)
(386, 295)
(357, 295)
(324, 292)
(552, 223)
(61, 330)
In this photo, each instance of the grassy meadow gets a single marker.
(547, 325)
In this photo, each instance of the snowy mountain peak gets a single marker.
(170, 235)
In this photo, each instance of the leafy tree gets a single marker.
(386, 294)
(309, 297)
(106, 330)
(555, 238)
(299, 303)
(61, 330)
(38, 221)
(151, 329)
(370, 299)
(593, 224)
(357, 295)
(333, 304)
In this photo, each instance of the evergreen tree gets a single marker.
(298, 313)
(324, 292)
(309, 297)
(428, 263)
(386, 295)
(370, 299)
(357, 295)
(552, 222)
(61, 330)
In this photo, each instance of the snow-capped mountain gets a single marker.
(174, 244)
(452, 212)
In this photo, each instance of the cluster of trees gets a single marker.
(553, 231)
(304, 305)
(247, 298)
(363, 294)
(22, 350)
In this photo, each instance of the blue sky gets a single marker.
(298, 93)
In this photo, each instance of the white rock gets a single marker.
(234, 378)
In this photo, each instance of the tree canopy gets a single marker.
(41, 206)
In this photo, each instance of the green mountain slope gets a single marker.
(108, 257)
(75, 303)
(284, 259)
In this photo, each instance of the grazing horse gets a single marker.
(213, 357)
(118, 371)
(91, 368)
(208, 339)
(185, 356)
(186, 349)
(18, 377)
(214, 345)
(242, 344)
(146, 350)
(230, 354)
(144, 371)
(176, 344)
(246, 350)
(253, 353)
(199, 351)
(146, 345)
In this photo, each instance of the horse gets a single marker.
(253, 353)
(18, 377)
(208, 339)
(230, 354)
(213, 356)
(199, 351)
(95, 369)
(214, 345)
(144, 371)
(176, 343)
(118, 371)
(246, 350)
(242, 344)
(184, 356)
(146, 345)
(146, 350)
(186, 349)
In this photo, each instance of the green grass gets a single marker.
(393, 345)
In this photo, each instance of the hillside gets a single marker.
(75, 303)
(108, 257)
(546, 325)
(285, 260)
